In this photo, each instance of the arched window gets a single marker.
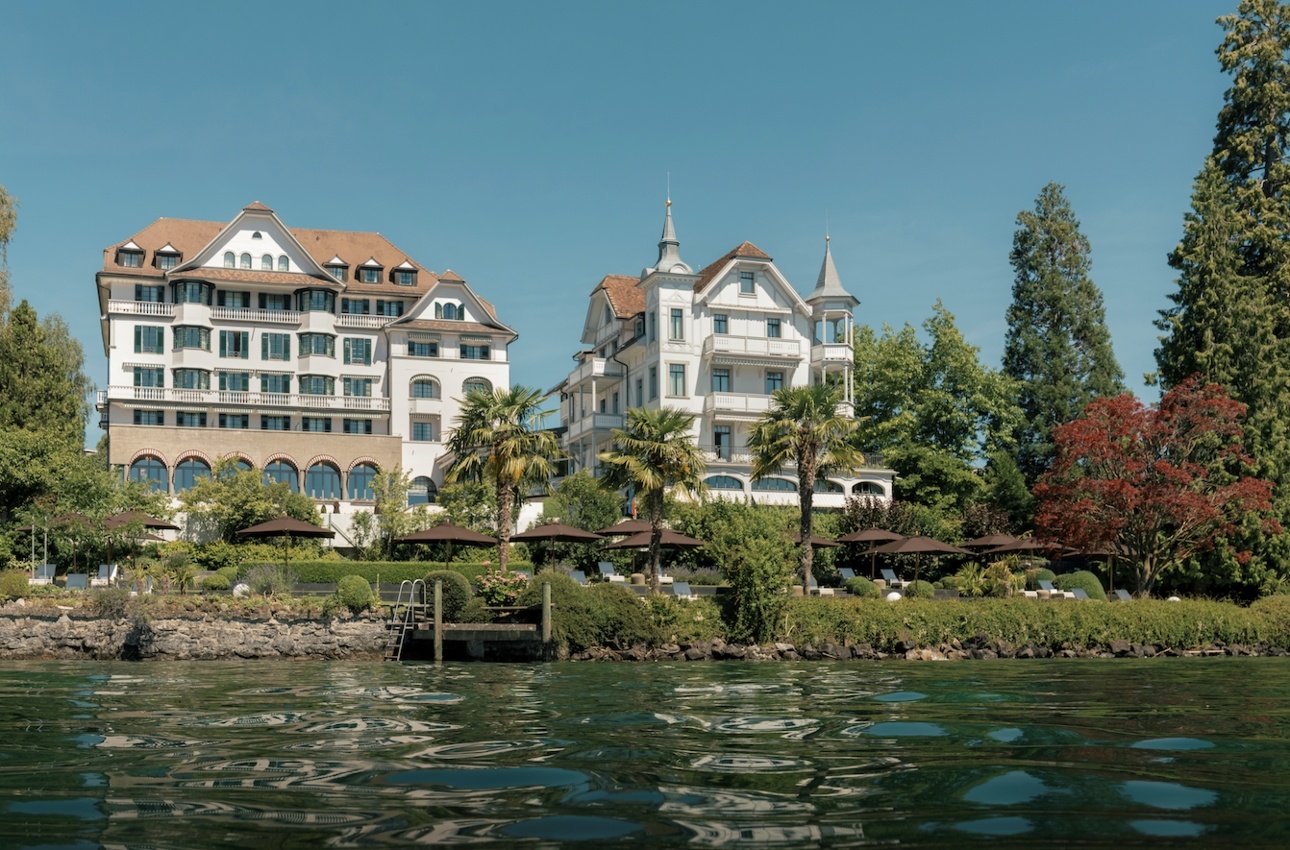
(189, 472)
(284, 265)
(425, 388)
(724, 482)
(360, 482)
(823, 485)
(322, 481)
(422, 491)
(243, 465)
(450, 311)
(780, 485)
(481, 384)
(229, 259)
(266, 263)
(282, 472)
(868, 488)
(246, 261)
(151, 471)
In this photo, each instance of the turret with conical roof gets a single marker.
(828, 286)
(669, 250)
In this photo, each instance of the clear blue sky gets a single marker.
(526, 145)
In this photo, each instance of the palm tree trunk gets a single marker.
(806, 500)
(505, 505)
(655, 536)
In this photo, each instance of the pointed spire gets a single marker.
(669, 248)
(828, 284)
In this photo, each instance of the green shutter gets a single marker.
(223, 343)
(245, 350)
(138, 339)
(264, 346)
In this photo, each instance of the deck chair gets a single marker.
(77, 581)
(608, 573)
(1054, 593)
(579, 576)
(681, 590)
(1121, 595)
(1080, 593)
(889, 575)
(107, 575)
(141, 586)
(845, 573)
(44, 574)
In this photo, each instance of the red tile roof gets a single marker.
(625, 296)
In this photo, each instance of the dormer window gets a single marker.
(130, 255)
(338, 268)
(746, 283)
(370, 272)
(405, 274)
(166, 258)
(449, 310)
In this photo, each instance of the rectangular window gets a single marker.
(190, 379)
(423, 432)
(275, 346)
(720, 381)
(772, 328)
(131, 259)
(240, 421)
(389, 308)
(638, 327)
(355, 306)
(234, 344)
(640, 392)
(317, 385)
(316, 424)
(165, 262)
(720, 323)
(676, 328)
(148, 376)
(474, 351)
(193, 292)
(653, 326)
(356, 387)
(153, 294)
(358, 426)
(403, 278)
(323, 344)
(370, 275)
(358, 351)
(318, 301)
(229, 298)
(721, 441)
(423, 349)
(235, 382)
(275, 302)
(676, 379)
(190, 419)
(275, 423)
(149, 339)
(338, 272)
(149, 417)
(774, 381)
(746, 283)
(192, 337)
(653, 382)
(275, 382)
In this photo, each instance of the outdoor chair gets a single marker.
(579, 576)
(608, 573)
(1080, 593)
(44, 574)
(142, 586)
(1053, 592)
(845, 573)
(681, 589)
(1121, 595)
(77, 581)
(107, 575)
(893, 583)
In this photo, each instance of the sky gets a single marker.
(530, 146)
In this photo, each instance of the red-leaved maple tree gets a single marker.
(1152, 484)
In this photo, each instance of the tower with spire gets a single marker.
(834, 329)
(669, 249)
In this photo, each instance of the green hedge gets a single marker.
(389, 572)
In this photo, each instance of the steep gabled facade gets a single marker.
(715, 343)
(317, 356)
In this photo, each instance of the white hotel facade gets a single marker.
(318, 357)
(715, 343)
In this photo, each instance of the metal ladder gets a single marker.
(403, 617)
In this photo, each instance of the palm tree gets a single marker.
(655, 451)
(497, 439)
(804, 429)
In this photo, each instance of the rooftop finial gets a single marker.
(669, 247)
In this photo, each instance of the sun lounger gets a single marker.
(107, 575)
(578, 575)
(1053, 592)
(44, 574)
(1121, 595)
(845, 573)
(608, 573)
(892, 582)
(77, 581)
(1080, 593)
(681, 589)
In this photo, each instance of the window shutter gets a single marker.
(138, 339)
(264, 300)
(223, 343)
(348, 346)
(244, 350)
(264, 340)
(223, 380)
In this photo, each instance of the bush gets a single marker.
(354, 593)
(502, 588)
(216, 582)
(622, 619)
(862, 587)
(1035, 575)
(456, 593)
(685, 621)
(271, 580)
(1083, 579)
(920, 590)
(230, 573)
(476, 611)
(13, 584)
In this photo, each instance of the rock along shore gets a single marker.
(63, 634)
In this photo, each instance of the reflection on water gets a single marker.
(1028, 754)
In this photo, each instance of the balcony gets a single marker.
(734, 457)
(604, 422)
(736, 404)
(595, 367)
(248, 314)
(752, 348)
(222, 398)
(142, 308)
(360, 320)
(426, 406)
(832, 352)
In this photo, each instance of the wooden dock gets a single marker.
(415, 625)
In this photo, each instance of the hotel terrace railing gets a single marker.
(832, 353)
(595, 367)
(752, 346)
(736, 403)
(141, 308)
(250, 314)
(214, 398)
(361, 320)
(598, 421)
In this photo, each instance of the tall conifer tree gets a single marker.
(1058, 348)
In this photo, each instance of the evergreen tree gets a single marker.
(1058, 348)
(1230, 319)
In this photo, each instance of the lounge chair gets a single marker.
(681, 590)
(845, 573)
(608, 573)
(77, 581)
(1080, 593)
(141, 586)
(44, 574)
(579, 576)
(893, 583)
(1121, 595)
(106, 576)
(1053, 592)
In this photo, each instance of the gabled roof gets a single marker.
(746, 250)
(625, 297)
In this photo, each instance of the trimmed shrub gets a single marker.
(862, 587)
(920, 590)
(271, 580)
(388, 572)
(1083, 579)
(622, 619)
(216, 582)
(476, 611)
(230, 573)
(456, 592)
(354, 593)
(13, 585)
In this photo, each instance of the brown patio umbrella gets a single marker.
(917, 546)
(286, 527)
(556, 532)
(627, 526)
(989, 541)
(1027, 545)
(127, 517)
(816, 542)
(670, 539)
(871, 535)
(449, 534)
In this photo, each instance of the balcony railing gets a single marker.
(360, 320)
(596, 421)
(753, 405)
(426, 406)
(752, 346)
(225, 398)
(726, 455)
(250, 314)
(832, 353)
(595, 367)
(142, 308)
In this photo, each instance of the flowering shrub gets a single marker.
(502, 588)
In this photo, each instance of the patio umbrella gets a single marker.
(127, 517)
(871, 535)
(449, 534)
(1027, 545)
(670, 539)
(286, 527)
(816, 542)
(989, 541)
(627, 526)
(556, 532)
(918, 546)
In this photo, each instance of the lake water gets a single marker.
(1161, 752)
